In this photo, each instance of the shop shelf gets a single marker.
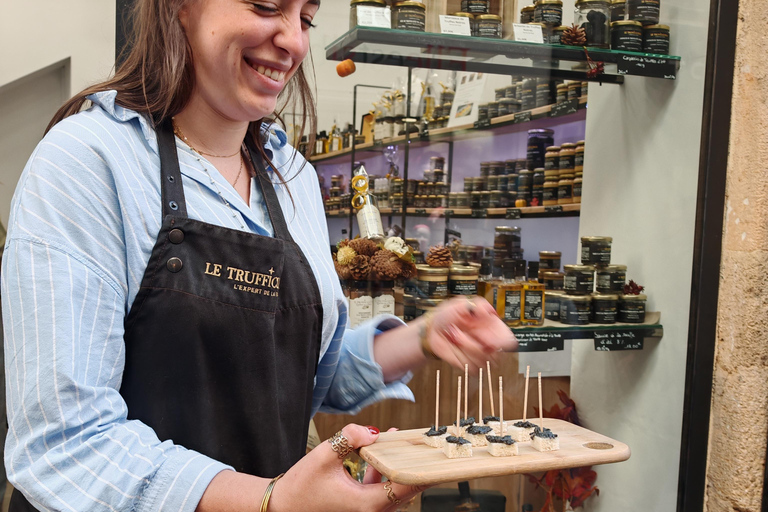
(518, 122)
(498, 56)
(566, 210)
(619, 336)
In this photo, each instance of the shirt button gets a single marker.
(174, 264)
(176, 236)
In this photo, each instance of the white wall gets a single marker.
(49, 49)
(640, 183)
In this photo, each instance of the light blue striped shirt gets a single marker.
(84, 219)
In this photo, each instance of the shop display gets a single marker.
(596, 250)
(575, 309)
(550, 260)
(476, 6)
(462, 280)
(604, 308)
(527, 14)
(627, 35)
(611, 279)
(656, 39)
(409, 16)
(618, 10)
(579, 279)
(594, 17)
(488, 25)
(549, 12)
(645, 11)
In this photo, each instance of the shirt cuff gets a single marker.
(180, 482)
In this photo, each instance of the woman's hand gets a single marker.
(319, 482)
(467, 331)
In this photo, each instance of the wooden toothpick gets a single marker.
(501, 406)
(490, 387)
(437, 400)
(480, 398)
(466, 387)
(458, 407)
(541, 411)
(525, 398)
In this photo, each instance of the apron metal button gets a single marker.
(176, 236)
(174, 264)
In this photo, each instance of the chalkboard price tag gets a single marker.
(483, 124)
(449, 213)
(512, 213)
(539, 341)
(656, 67)
(424, 135)
(553, 209)
(564, 108)
(396, 210)
(479, 213)
(522, 117)
(420, 211)
(623, 340)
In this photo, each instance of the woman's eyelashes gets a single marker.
(269, 9)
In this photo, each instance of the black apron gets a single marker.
(223, 338)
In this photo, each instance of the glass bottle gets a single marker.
(368, 215)
(487, 284)
(336, 142)
(509, 295)
(532, 308)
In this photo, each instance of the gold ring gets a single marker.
(340, 444)
(390, 493)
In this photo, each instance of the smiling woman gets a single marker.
(180, 320)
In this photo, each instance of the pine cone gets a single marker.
(360, 267)
(439, 256)
(385, 265)
(343, 271)
(407, 269)
(345, 255)
(574, 36)
(364, 246)
(342, 243)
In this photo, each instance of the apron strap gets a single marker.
(268, 192)
(170, 175)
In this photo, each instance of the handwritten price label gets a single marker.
(539, 341)
(626, 340)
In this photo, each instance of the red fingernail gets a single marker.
(373, 430)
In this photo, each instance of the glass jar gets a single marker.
(577, 182)
(549, 12)
(384, 298)
(632, 308)
(360, 302)
(627, 35)
(475, 199)
(527, 13)
(543, 93)
(495, 168)
(493, 109)
(578, 161)
(437, 163)
(493, 183)
(596, 250)
(618, 10)
(575, 309)
(528, 95)
(506, 239)
(476, 6)
(562, 95)
(524, 181)
(565, 190)
(552, 280)
(552, 158)
(396, 201)
(552, 305)
(482, 112)
(550, 260)
(594, 17)
(509, 106)
(644, 11)
(549, 192)
(611, 279)
(579, 279)
(488, 25)
(538, 142)
(471, 18)
(462, 280)
(567, 158)
(604, 308)
(409, 16)
(462, 199)
(503, 184)
(656, 39)
(432, 281)
(363, 3)
(574, 90)
(411, 187)
(485, 199)
(556, 36)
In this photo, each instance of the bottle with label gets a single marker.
(532, 309)
(335, 139)
(368, 215)
(509, 295)
(321, 143)
(487, 284)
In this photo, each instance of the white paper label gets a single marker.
(528, 33)
(384, 305)
(456, 25)
(368, 16)
(360, 310)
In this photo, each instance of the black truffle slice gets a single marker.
(546, 433)
(432, 432)
(499, 439)
(478, 430)
(487, 419)
(457, 440)
(524, 424)
(466, 421)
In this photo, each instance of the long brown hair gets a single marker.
(156, 76)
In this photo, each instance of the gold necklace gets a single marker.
(183, 137)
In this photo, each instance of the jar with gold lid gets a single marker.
(567, 158)
(575, 309)
(578, 160)
(552, 280)
(565, 189)
(618, 9)
(549, 12)
(476, 6)
(627, 35)
(610, 279)
(579, 279)
(562, 94)
(432, 281)
(552, 304)
(462, 280)
(594, 16)
(574, 90)
(552, 158)
(470, 17)
(488, 25)
(354, 4)
(604, 308)
(577, 182)
(632, 308)
(360, 302)
(550, 260)
(596, 250)
(527, 14)
(409, 16)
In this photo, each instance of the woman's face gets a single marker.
(245, 51)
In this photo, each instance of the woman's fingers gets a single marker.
(351, 437)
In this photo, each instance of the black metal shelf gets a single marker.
(498, 56)
(566, 210)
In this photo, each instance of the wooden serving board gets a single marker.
(404, 458)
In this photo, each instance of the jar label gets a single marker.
(578, 160)
(457, 287)
(632, 312)
(549, 15)
(552, 163)
(434, 289)
(567, 162)
(384, 305)
(572, 314)
(410, 19)
(360, 310)
(476, 6)
(605, 315)
(489, 29)
(577, 189)
(512, 305)
(533, 301)
(603, 282)
(565, 191)
(552, 309)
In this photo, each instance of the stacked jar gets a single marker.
(550, 275)
(551, 176)
(567, 164)
(506, 246)
(578, 171)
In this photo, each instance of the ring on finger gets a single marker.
(340, 444)
(390, 493)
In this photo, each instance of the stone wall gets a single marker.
(739, 418)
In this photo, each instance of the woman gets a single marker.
(172, 315)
